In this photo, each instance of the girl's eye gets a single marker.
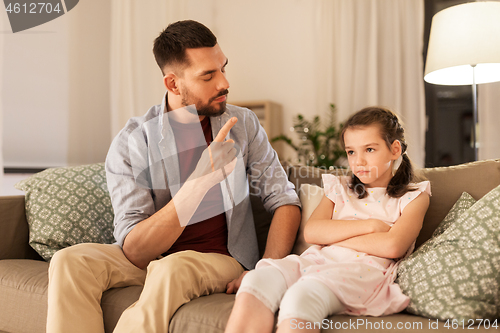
(370, 150)
(350, 152)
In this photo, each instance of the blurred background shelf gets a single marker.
(270, 117)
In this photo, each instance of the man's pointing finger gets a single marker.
(225, 129)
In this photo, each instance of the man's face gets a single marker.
(204, 82)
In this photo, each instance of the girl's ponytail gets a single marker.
(398, 185)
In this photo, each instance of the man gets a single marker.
(183, 221)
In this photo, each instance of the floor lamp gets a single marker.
(464, 48)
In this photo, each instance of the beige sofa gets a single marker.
(23, 274)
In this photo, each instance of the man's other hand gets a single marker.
(233, 286)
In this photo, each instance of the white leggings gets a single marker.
(307, 299)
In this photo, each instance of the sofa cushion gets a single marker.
(67, 206)
(23, 295)
(456, 275)
(207, 314)
(448, 183)
(114, 301)
(310, 197)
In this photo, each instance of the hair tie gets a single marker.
(397, 164)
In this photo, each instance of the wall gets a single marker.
(270, 49)
(34, 94)
(55, 95)
(56, 86)
(56, 82)
(89, 119)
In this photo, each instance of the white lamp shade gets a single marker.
(461, 36)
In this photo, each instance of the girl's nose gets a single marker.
(360, 160)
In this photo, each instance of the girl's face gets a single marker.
(369, 157)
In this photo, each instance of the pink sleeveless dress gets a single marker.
(362, 282)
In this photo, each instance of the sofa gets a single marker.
(24, 278)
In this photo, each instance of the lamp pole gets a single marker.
(474, 112)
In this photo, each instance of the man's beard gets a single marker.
(206, 109)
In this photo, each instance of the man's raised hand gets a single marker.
(219, 155)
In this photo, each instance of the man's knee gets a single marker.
(79, 256)
(67, 255)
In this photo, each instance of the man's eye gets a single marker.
(208, 78)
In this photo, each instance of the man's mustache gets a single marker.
(222, 93)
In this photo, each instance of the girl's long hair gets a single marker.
(390, 130)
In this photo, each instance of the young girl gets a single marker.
(363, 224)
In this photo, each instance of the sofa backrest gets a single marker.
(14, 230)
(448, 183)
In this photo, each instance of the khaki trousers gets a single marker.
(78, 275)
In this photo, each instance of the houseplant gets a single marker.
(319, 143)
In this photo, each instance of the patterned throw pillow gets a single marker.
(456, 274)
(67, 206)
(456, 212)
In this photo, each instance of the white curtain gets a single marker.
(136, 80)
(370, 53)
(489, 120)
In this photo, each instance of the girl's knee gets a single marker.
(309, 300)
(267, 284)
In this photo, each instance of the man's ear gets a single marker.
(170, 80)
(396, 149)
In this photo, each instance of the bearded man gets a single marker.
(178, 178)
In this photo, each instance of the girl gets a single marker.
(363, 224)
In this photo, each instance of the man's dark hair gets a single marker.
(170, 46)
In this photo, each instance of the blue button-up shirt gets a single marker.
(142, 170)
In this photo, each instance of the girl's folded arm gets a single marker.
(321, 229)
(395, 242)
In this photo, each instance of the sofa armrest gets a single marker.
(14, 232)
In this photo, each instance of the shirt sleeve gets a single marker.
(128, 181)
(333, 187)
(267, 177)
(422, 187)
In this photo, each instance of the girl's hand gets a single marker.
(378, 225)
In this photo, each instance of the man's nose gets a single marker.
(223, 83)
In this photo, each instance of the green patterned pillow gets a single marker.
(456, 274)
(456, 213)
(67, 206)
